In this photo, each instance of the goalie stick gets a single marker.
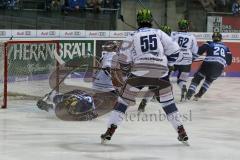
(46, 96)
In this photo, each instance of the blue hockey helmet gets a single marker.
(76, 105)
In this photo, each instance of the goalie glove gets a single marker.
(43, 105)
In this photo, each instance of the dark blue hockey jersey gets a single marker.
(216, 52)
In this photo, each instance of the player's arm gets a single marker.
(171, 49)
(194, 48)
(203, 48)
(121, 63)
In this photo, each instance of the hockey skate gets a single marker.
(43, 105)
(199, 94)
(196, 97)
(142, 105)
(108, 135)
(183, 93)
(189, 94)
(182, 135)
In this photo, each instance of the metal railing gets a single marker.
(86, 19)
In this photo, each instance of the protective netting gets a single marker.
(29, 66)
(34, 68)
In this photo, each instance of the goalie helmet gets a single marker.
(166, 29)
(111, 46)
(144, 16)
(76, 105)
(216, 36)
(183, 25)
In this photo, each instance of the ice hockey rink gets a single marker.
(212, 123)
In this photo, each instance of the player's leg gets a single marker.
(213, 72)
(153, 92)
(206, 84)
(127, 96)
(173, 115)
(183, 74)
(129, 92)
(197, 78)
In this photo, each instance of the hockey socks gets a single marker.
(175, 119)
(191, 90)
(115, 119)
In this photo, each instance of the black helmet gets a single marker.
(216, 36)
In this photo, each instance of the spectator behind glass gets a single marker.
(220, 5)
(55, 5)
(73, 5)
(112, 4)
(11, 4)
(236, 7)
(95, 4)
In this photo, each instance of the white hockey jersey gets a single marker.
(150, 51)
(188, 45)
(102, 79)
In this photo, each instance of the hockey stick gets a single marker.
(57, 85)
(199, 59)
(129, 25)
(154, 20)
(61, 62)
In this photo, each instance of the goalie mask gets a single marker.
(111, 46)
(76, 105)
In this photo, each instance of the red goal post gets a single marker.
(25, 67)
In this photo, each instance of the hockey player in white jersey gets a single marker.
(149, 52)
(146, 98)
(189, 49)
(102, 78)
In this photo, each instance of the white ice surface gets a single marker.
(27, 133)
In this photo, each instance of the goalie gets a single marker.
(79, 105)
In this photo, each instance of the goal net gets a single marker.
(24, 69)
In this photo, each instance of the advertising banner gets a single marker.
(29, 59)
(224, 23)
